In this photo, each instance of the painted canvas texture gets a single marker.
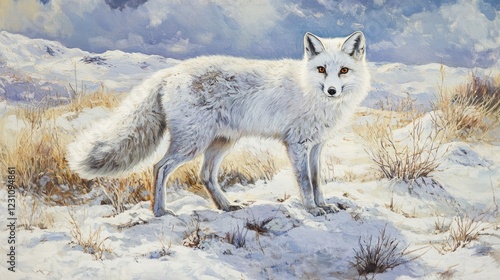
(266, 139)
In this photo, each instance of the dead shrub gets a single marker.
(380, 255)
(416, 156)
(194, 235)
(166, 247)
(259, 226)
(402, 158)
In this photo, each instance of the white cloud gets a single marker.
(157, 11)
(205, 38)
(295, 9)
(255, 18)
(52, 19)
(468, 24)
(455, 33)
(17, 16)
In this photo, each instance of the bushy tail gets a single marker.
(116, 146)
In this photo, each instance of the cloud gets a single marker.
(256, 17)
(47, 18)
(17, 16)
(121, 4)
(458, 34)
(157, 13)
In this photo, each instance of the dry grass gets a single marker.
(471, 111)
(33, 213)
(37, 151)
(120, 193)
(166, 246)
(92, 242)
(397, 208)
(38, 155)
(284, 198)
(100, 98)
(37, 148)
(237, 237)
(468, 112)
(448, 274)
(440, 225)
(259, 226)
(401, 111)
(407, 162)
(194, 236)
(414, 156)
(462, 231)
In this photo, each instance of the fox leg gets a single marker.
(212, 160)
(314, 163)
(162, 169)
(177, 154)
(299, 156)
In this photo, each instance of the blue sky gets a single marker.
(453, 32)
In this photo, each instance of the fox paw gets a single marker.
(316, 211)
(330, 208)
(161, 212)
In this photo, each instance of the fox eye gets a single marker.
(321, 69)
(343, 70)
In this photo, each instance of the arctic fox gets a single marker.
(204, 105)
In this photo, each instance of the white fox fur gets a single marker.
(203, 105)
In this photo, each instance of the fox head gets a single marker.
(336, 66)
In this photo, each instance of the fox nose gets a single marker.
(332, 91)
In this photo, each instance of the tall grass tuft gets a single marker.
(471, 111)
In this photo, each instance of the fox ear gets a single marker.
(355, 45)
(312, 45)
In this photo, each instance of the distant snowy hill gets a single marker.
(31, 69)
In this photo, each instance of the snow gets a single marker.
(420, 82)
(72, 121)
(296, 245)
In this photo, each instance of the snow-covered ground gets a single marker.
(294, 244)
